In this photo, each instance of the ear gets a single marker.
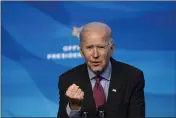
(112, 49)
(81, 51)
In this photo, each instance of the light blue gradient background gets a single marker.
(144, 34)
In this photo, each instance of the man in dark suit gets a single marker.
(117, 86)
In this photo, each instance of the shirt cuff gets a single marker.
(72, 113)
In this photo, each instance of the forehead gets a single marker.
(95, 36)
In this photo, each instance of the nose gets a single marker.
(95, 53)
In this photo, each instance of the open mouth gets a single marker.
(95, 63)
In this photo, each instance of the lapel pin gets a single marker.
(114, 90)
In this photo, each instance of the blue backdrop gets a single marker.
(39, 43)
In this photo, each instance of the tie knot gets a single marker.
(98, 78)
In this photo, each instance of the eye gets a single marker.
(89, 47)
(101, 47)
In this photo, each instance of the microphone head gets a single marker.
(84, 113)
(101, 111)
(101, 108)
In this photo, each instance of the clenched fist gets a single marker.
(75, 95)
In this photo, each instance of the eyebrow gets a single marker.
(93, 44)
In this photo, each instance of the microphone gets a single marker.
(84, 113)
(101, 111)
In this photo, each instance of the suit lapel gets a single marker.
(88, 103)
(114, 94)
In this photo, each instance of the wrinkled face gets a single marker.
(97, 49)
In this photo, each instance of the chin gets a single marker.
(97, 70)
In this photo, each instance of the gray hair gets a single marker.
(88, 26)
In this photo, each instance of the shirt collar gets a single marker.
(106, 74)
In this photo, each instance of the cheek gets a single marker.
(86, 56)
(105, 55)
